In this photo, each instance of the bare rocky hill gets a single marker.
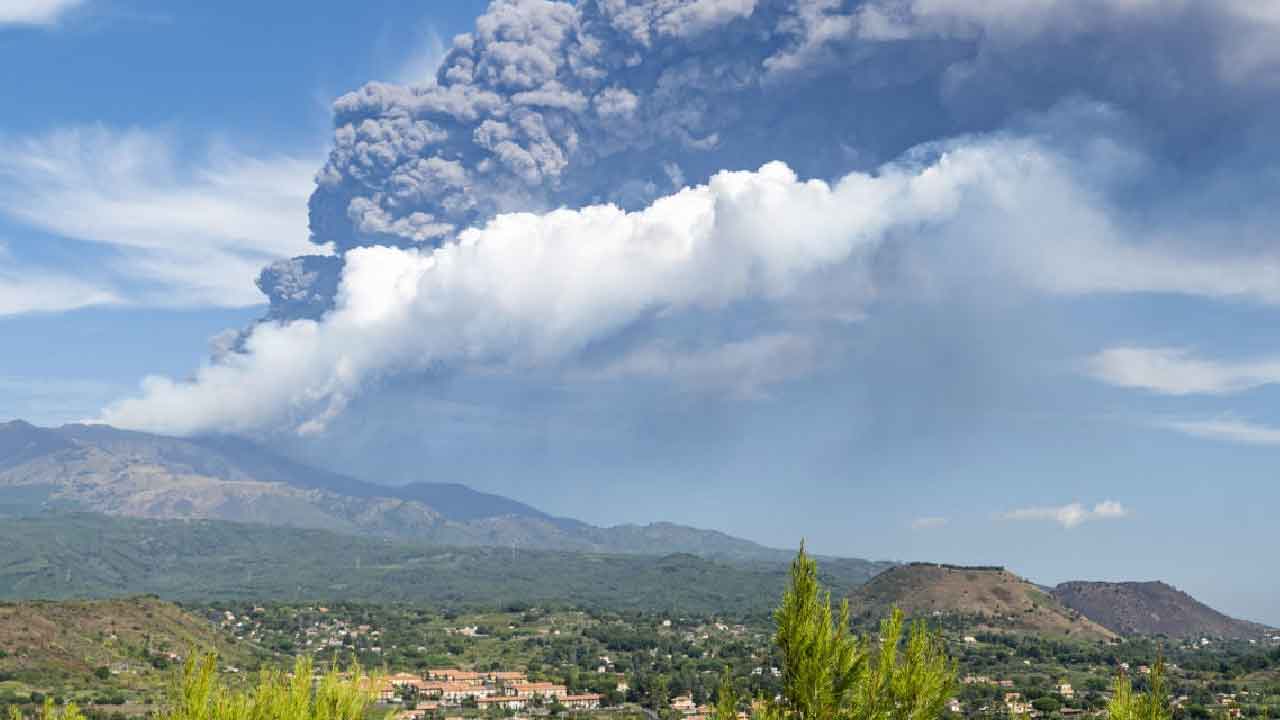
(1152, 608)
(996, 598)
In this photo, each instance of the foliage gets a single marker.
(198, 695)
(1126, 704)
(726, 707)
(211, 560)
(830, 674)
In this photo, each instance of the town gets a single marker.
(524, 661)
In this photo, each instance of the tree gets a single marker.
(726, 707)
(658, 694)
(1152, 705)
(1046, 705)
(830, 674)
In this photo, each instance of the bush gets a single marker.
(1046, 705)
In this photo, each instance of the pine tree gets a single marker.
(726, 707)
(830, 674)
(1152, 705)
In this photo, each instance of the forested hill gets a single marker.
(90, 555)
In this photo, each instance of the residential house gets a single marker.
(544, 690)
(584, 701)
(506, 702)
(684, 704)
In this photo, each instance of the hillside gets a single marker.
(994, 598)
(96, 468)
(1152, 608)
(79, 555)
(52, 645)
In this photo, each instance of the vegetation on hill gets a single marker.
(827, 673)
(994, 598)
(88, 555)
(100, 652)
(1152, 608)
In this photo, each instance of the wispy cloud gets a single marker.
(421, 65)
(1072, 515)
(35, 12)
(744, 369)
(28, 289)
(1226, 428)
(25, 291)
(928, 523)
(182, 228)
(1178, 371)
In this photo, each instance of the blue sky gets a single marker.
(1019, 316)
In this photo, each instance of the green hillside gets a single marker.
(102, 652)
(89, 555)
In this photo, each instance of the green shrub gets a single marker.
(197, 694)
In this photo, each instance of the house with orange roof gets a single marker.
(583, 701)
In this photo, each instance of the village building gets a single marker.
(684, 704)
(506, 702)
(583, 701)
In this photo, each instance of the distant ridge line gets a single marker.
(949, 566)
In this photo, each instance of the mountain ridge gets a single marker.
(98, 468)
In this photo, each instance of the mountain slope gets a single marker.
(63, 641)
(78, 555)
(1151, 608)
(21, 442)
(993, 597)
(96, 468)
(453, 500)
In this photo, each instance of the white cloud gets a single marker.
(27, 290)
(183, 232)
(1177, 371)
(699, 16)
(928, 523)
(35, 12)
(1244, 33)
(1072, 515)
(1226, 428)
(533, 289)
